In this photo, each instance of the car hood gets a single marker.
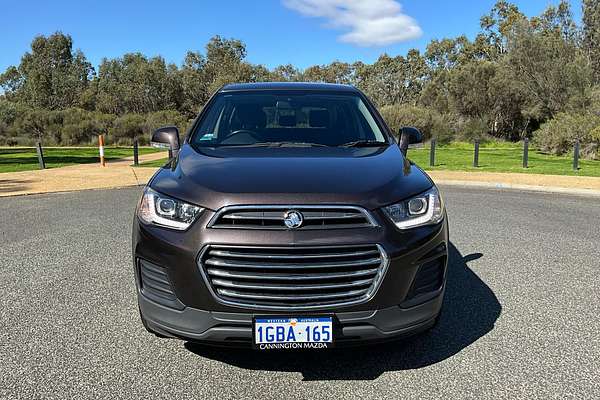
(217, 177)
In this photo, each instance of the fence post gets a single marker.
(136, 160)
(432, 153)
(526, 153)
(476, 155)
(40, 155)
(101, 149)
(576, 156)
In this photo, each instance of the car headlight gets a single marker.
(158, 209)
(424, 209)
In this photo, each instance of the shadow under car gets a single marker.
(469, 312)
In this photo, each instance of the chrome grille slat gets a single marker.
(283, 278)
(290, 297)
(272, 217)
(294, 266)
(232, 254)
(291, 277)
(331, 215)
(295, 287)
(275, 216)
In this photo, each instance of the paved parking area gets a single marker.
(521, 312)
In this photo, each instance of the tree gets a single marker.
(286, 73)
(591, 34)
(52, 76)
(547, 67)
(225, 63)
(394, 80)
(517, 74)
(336, 72)
(39, 124)
(193, 81)
(136, 84)
(497, 24)
(558, 20)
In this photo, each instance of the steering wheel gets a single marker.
(248, 132)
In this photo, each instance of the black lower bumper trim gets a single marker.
(236, 328)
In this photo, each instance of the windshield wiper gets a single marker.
(274, 144)
(363, 143)
(292, 144)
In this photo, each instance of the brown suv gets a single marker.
(289, 218)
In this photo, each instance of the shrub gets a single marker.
(31, 125)
(126, 128)
(472, 129)
(558, 135)
(8, 113)
(80, 126)
(430, 122)
(162, 118)
(168, 117)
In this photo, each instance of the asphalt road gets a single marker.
(522, 312)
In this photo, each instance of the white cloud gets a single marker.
(370, 22)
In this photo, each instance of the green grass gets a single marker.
(501, 157)
(493, 157)
(155, 163)
(25, 158)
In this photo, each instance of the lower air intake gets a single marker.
(155, 285)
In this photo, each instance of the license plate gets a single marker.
(293, 333)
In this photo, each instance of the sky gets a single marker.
(300, 32)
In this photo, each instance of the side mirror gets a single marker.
(166, 137)
(409, 135)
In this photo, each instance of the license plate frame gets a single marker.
(296, 345)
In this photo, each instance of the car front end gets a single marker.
(338, 245)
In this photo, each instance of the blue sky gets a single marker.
(301, 32)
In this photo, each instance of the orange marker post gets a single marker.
(101, 146)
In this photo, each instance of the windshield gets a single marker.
(270, 119)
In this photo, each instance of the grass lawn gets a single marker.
(155, 163)
(25, 158)
(501, 157)
(493, 157)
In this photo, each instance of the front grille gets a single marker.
(155, 285)
(272, 217)
(293, 277)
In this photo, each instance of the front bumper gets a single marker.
(236, 328)
(195, 314)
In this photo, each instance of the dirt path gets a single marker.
(117, 173)
(546, 183)
(120, 173)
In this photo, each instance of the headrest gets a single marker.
(318, 118)
(251, 116)
(287, 120)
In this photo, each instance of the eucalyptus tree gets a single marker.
(591, 34)
(50, 76)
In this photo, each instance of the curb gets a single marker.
(516, 187)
